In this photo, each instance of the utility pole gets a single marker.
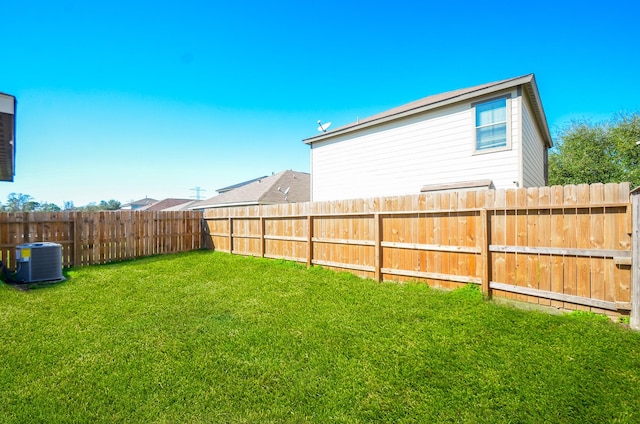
(198, 190)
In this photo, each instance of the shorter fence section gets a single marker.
(568, 247)
(89, 238)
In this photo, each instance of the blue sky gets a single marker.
(122, 100)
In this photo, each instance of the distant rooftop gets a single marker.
(166, 204)
(139, 203)
(283, 187)
(231, 187)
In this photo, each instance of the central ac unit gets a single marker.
(38, 262)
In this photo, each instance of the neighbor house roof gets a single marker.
(283, 187)
(167, 204)
(139, 203)
(7, 136)
(528, 82)
(182, 206)
(234, 186)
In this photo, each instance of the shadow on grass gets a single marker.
(36, 285)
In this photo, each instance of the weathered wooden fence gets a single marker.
(89, 238)
(562, 246)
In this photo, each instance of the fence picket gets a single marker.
(543, 233)
(432, 237)
(596, 241)
(439, 238)
(89, 238)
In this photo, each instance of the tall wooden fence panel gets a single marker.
(562, 246)
(89, 238)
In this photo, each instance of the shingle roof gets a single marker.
(234, 186)
(443, 99)
(182, 206)
(142, 202)
(269, 190)
(166, 204)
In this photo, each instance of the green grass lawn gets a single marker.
(210, 337)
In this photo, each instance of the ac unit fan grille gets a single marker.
(46, 264)
(39, 262)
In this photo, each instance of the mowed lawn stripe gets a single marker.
(211, 337)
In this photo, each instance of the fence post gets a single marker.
(309, 240)
(26, 233)
(486, 254)
(262, 240)
(377, 225)
(76, 240)
(206, 239)
(635, 260)
(230, 235)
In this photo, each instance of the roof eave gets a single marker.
(539, 111)
(8, 142)
(231, 205)
(500, 86)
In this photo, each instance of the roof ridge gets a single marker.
(430, 100)
(280, 175)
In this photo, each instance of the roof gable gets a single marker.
(444, 99)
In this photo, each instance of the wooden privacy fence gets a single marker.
(562, 246)
(89, 238)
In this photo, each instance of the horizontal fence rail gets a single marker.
(89, 238)
(562, 246)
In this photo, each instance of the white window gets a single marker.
(491, 124)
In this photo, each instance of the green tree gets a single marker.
(89, 207)
(111, 205)
(606, 152)
(48, 207)
(625, 135)
(19, 202)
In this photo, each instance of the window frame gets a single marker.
(507, 146)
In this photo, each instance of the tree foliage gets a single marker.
(48, 207)
(111, 205)
(587, 153)
(20, 202)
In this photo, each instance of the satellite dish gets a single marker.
(285, 192)
(323, 127)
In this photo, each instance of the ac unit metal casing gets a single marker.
(38, 262)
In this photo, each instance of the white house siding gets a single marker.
(400, 157)
(533, 149)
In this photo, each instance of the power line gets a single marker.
(198, 190)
